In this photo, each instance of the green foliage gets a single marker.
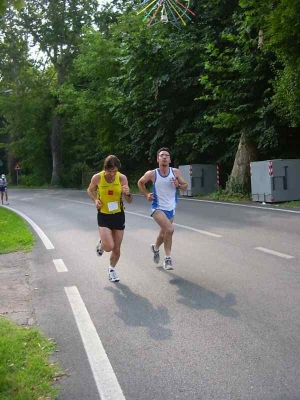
(279, 21)
(234, 187)
(83, 105)
(110, 12)
(111, 85)
(282, 24)
(284, 40)
(5, 4)
(236, 83)
(287, 93)
(27, 112)
(155, 91)
(56, 27)
(36, 179)
(25, 104)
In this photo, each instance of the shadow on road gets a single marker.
(200, 298)
(136, 310)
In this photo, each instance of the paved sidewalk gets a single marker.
(15, 289)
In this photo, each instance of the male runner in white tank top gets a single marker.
(166, 180)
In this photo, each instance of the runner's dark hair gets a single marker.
(164, 149)
(112, 162)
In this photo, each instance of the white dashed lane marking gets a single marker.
(105, 378)
(189, 228)
(60, 265)
(27, 199)
(274, 253)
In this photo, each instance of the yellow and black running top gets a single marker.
(110, 194)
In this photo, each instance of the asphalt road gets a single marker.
(225, 324)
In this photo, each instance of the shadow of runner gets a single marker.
(195, 296)
(136, 310)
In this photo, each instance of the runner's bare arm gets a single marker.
(149, 176)
(179, 182)
(125, 188)
(92, 190)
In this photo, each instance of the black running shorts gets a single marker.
(112, 221)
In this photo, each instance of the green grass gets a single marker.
(222, 195)
(15, 234)
(25, 373)
(292, 204)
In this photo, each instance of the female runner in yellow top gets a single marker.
(106, 190)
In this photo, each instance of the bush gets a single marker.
(234, 187)
(32, 180)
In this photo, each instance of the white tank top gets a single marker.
(164, 191)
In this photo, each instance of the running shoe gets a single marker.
(156, 256)
(113, 276)
(99, 249)
(168, 264)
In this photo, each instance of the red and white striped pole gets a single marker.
(271, 174)
(270, 168)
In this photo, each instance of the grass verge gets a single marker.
(292, 204)
(240, 198)
(15, 234)
(25, 373)
(24, 370)
(237, 198)
(222, 195)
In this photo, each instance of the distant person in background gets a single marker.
(3, 189)
(106, 190)
(166, 180)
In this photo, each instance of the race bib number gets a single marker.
(112, 206)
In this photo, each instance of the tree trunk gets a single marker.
(240, 174)
(11, 161)
(56, 150)
(56, 135)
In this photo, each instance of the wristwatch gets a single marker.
(179, 186)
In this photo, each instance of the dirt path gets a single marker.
(15, 288)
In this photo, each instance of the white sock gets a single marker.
(111, 268)
(168, 257)
(156, 249)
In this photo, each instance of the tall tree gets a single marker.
(84, 106)
(14, 60)
(56, 26)
(25, 105)
(155, 91)
(238, 92)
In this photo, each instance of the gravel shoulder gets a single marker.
(16, 289)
